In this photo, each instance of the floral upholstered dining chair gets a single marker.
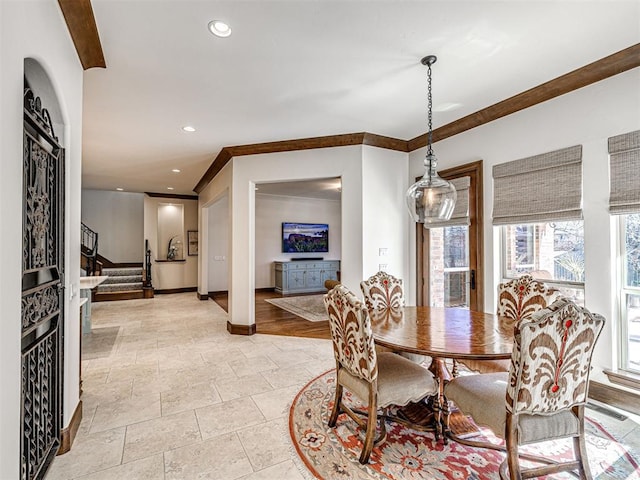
(379, 380)
(517, 299)
(542, 397)
(382, 290)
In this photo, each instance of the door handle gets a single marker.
(473, 280)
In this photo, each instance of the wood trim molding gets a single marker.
(115, 296)
(178, 196)
(606, 67)
(218, 292)
(616, 397)
(627, 379)
(235, 329)
(176, 290)
(476, 208)
(68, 435)
(81, 23)
(345, 140)
(203, 296)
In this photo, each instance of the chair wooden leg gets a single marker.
(336, 407)
(511, 440)
(580, 447)
(372, 422)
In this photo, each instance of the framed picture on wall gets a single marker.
(192, 243)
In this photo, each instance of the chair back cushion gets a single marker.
(551, 358)
(351, 333)
(382, 291)
(523, 296)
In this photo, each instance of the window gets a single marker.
(630, 292)
(624, 202)
(552, 252)
(449, 266)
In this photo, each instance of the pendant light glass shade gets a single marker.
(431, 199)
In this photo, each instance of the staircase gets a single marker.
(122, 284)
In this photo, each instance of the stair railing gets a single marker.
(147, 265)
(89, 248)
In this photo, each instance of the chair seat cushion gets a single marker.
(400, 381)
(483, 398)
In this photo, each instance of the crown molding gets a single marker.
(344, 140)
(606, 67)
(178, 196)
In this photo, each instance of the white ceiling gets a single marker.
(307, 68)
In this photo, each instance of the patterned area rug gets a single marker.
(407, 454)
(309, 307)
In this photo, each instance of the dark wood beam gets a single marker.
(172, 195)
(227, 153)
(84, 32)
(606, 67)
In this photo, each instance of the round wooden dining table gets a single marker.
(443, 333)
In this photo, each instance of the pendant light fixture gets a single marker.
(431, 199)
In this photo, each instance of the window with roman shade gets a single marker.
(624, 203)
(624, 163)
(542, 188)
(460, 215)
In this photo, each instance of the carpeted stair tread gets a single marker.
(119, 287)
(123, 279)
(122, 271)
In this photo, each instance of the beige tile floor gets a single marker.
(169, 394)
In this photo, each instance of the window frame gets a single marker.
(552, 282)
(624, 291)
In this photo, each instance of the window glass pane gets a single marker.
(632, 341)
(632, 250)
(449, 266)
(547, 251)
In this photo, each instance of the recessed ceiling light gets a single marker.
(219, 28)
(120, 189)
(188, 128)
(176, 170)
(169, 188)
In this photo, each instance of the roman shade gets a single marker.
(460, 215)
(542, 188)
(624, 162)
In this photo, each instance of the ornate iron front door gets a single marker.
(42, 290)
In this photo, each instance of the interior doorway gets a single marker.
(449, 264)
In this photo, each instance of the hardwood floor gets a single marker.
(272, 320)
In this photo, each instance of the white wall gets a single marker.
(118, 217)
(385, 170)
(170, 275)
(344, 162)
(271, 211)
(215, 190)
(587, 117)
(35, 30)
(385, 219)
(218, 252)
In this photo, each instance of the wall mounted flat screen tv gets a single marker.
(305, 237)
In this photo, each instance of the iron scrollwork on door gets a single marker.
(42, 292)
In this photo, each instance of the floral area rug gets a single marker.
(309, 307)
(408, 454)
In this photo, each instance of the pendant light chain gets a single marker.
(431, 199)
(430, 100)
